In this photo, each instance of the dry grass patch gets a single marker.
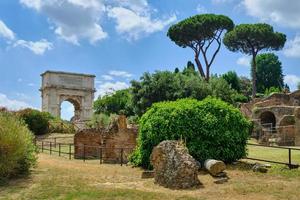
(60, 178)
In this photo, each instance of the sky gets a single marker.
(119, 40)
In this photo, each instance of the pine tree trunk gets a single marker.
(253, 73)
(199, 66)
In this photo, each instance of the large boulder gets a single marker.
(173, 166)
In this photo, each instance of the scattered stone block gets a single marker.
(173, 166)
(214, 167)
(257, 167)
(221, 180)
(147, 174)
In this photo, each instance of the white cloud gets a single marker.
(73, 19)
(37, 48)
(134, 25)
(110, 87)
(292, 80)
(107, 77)
(282, 12)
(292, 48)
(221, 1)
(120, 73)
(12, 104)
(20, 80)
(36, 4)
(6, 32)
(244, 61)
(31, 84)
(201, 9)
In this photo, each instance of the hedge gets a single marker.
(211, 129)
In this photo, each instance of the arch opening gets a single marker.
(268, 119)
(70, 110)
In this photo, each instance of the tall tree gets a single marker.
(298, 86)
(200, 33)
(250, 39)
(268, 72)
(233, 80)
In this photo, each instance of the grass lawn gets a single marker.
(60, 178)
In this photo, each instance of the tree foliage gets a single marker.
(246, 86)
(211, 129)
(250, 39)
(169, 86)
(37, 121)
(268, 72)
(233, 80)
(201, 33)
(117, 103)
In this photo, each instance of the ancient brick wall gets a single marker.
(109, 144)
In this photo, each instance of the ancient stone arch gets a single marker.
(75, 88)
(268, 118)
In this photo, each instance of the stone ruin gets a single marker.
(111, 144)
(276, 118)
(173, 166)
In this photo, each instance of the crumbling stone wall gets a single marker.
(106, 143)
(285, 108)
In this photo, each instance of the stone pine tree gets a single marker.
(268, 72)
(201, 33)
(250, 39)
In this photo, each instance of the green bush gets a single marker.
(240, 98)
(100, 120)
(272, 90)
(211, 129)
(60, 126)
(37, 122)
(17, 151)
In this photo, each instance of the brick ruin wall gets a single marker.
(285, 108)
(110, 144)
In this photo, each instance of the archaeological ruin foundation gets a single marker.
(109, 144)
(276, 118)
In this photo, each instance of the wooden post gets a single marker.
(70, 151)
(122, 156)
(50, 148)
(290, 158)
(55, 143)
(42, 146)
(59, 149)
(84, 153)
(100, 155)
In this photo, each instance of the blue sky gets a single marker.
(118, 40)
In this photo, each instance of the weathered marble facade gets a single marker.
(76, 88)
(279, 117)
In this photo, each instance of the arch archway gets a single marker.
(268, 119)
(78, 89)
(75, 102)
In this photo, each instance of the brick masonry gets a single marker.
(285, 108)
(106, 143)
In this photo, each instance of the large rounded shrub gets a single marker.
(17, 151)
(37, 121)
(211, 129)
